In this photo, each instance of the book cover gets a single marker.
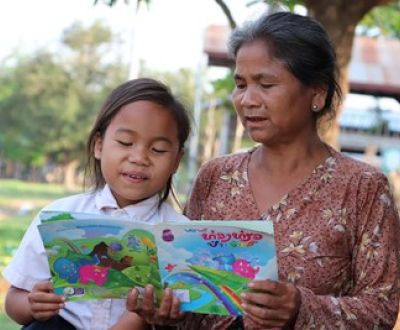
(206, 263)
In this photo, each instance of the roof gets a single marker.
(374, 67)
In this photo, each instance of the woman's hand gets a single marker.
(167, 314)
(43, 302)
(271, 304)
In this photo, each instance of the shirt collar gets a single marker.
(142, 211)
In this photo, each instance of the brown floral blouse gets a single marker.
(337, 238)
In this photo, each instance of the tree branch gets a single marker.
(227, 12)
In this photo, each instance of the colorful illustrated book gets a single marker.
(206, 263)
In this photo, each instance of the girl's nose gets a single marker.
(138, 155)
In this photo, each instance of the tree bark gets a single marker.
(340, 18)
(227, 12)
(237, 142)
(70, 174)
(210, 133)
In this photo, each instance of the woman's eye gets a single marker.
(125, 144)
(266, 86)
(240, 85)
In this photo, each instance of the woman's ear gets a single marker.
(319, 98)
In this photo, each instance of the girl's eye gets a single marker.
(159, 151)
(125, 144)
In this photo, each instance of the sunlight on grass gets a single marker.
(14, 195)
(7, 324)
(13, 192)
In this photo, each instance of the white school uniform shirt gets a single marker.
(29, 264)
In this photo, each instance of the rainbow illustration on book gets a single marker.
(212, 264)
(228, 299)
(207, 264)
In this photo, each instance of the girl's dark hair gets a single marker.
(131, 91)
(304, 47)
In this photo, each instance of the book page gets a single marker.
(95, 258)
(209, 263)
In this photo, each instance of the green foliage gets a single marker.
(50, 99)
(181, 82)
(79, 38)
(38, 89)
(223, 87)
(114, 2)
(383, 20)
(13, 194)
(276, 4)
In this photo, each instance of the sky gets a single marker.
(168, 34)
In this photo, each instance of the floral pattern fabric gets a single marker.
(337, 238)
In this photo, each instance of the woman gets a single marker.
(336, 226)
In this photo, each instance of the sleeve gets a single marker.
(373, 298)
(29, 264)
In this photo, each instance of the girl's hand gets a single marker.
(271, 304)
(43, 302)
(167, 314)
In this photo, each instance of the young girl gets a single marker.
(134, 149)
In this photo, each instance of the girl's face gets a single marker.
(139, 151)
(273, 106)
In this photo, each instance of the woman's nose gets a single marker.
(249, 97)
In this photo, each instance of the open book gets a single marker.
(206, 263)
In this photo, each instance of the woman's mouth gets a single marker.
(255, 119)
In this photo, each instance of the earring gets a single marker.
(314, 107)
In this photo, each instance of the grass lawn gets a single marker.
(19, 203)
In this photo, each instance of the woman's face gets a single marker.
(273, 106)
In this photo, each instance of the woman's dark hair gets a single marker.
(131, 91)
(304, 47)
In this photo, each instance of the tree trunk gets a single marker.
(340, 18)
(237, 142)
(224, 133)
(210, 133)
(10, 169)
(70, 173)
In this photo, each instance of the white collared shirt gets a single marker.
(29, 264)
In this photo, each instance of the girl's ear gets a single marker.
(98, 146)
(178, 159)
